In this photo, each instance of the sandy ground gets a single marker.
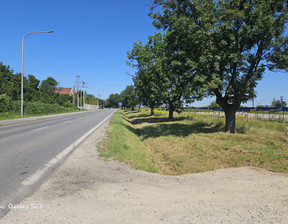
(88, 189)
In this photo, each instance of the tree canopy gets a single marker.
(161, 77)
(149, 81)
(227, 43)
(279, 103)
(10, 85)
(128, 97)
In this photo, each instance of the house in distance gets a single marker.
(64, 91)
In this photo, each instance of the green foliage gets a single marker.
(92, 100)
(279, 103)
(161, 76)
(149, 79)
(112, 101)
(41, 108)
(5, 76)
(227, 44)
(214, 104)
(34, 96)
(128, 97)
(5, 103)
(48, 85)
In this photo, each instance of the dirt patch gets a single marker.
(88, 189)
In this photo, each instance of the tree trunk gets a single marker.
(171, 113)
(152, 111)
(230, 119)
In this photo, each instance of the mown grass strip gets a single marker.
(124, 145)
(194, 143)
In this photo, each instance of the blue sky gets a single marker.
(91, 39)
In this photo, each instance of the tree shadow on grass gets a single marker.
(126, 119)
(155, 120)
(139, 115)
(170, 129)
(148, 119)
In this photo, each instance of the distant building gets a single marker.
(64, 91)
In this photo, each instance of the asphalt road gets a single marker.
(28, 147)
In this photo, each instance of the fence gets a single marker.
(263, 113)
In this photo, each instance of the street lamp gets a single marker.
(22, 82)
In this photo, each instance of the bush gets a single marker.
(42, 108)
(5, 103)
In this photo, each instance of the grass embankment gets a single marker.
(16, 114)
(194, 143)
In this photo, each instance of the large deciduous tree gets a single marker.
(228, 43)
(47, 93)
(128, 97)
(148, 79)
(113, 101)
(5, 76)
(162, 77)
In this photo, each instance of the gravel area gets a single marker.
(88, 189)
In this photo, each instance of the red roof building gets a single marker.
(64, 91)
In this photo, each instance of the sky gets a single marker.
(91, 39)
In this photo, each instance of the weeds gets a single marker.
(194, 143)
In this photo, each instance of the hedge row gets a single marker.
(7, 105)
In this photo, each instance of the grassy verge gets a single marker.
(124, 145)
(14, 115)
(194, 143)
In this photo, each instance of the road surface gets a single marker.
(27, 148)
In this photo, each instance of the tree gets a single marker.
(10, 90)
(128, 97)
(161, 76)
(278, 103)
(5, 76)
(48, 85)
(113, 101)
(31, 93)
(14, 87)
(47, 94)
(213, 104)
(228, 43)
(149, 79)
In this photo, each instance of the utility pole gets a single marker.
(73, 95)
(78, 76)
(83, 86)
(99, 96)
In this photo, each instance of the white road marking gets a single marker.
(39, 173)
(66, 122)
(38, 129)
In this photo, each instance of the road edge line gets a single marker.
(42, 171)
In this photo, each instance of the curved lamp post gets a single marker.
(22, 82)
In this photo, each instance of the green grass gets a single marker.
(194, 143)
(14, 115)
(124, 145)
